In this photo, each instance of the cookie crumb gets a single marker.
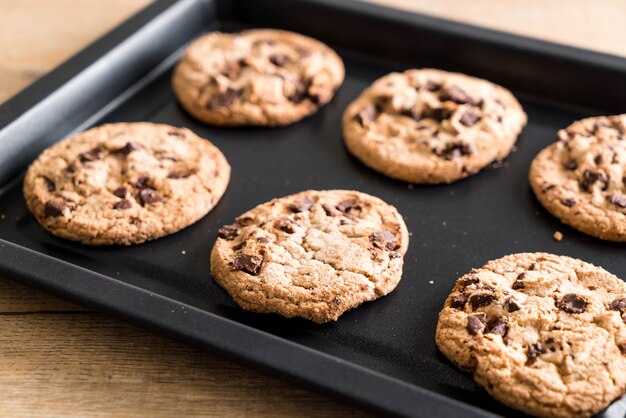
(558, 236)
(183, 252)
(410, 186)
(431, 282)
(2, 216)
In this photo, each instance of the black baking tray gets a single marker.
(381, 355)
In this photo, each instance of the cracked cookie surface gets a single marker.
(432, 126)
(256, 77)
(581, 178)
(125, 183)
(314, 254)
(542, 333)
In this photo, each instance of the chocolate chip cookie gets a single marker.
(256, 77)
(432, 126)
(315, 254)
(125, 183)
(542, 333)
(581, 178)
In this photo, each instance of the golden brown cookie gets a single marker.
(314, 254)
(432, 126)
(542, 333)
(581, 178)
(125, 183)
(256, 77)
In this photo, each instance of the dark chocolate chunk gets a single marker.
(135, 221)
(569, 202)
(571, 165)
(468, 281)
(432, 86)
(476, 323)
(454, 150)
(223, 99)
(469, 118)
(239, 246)
(182, 172)
(299, 93)
(142, 182)
(384, 240)
(572, 303)
(122, 204)
(618, 304)
(130, 147)
(279, 60)
(263, 240)
(393, 256)
(481, 299)
(590, 177)
(229, 232)
(149, 195)
(120, 192)
(328, 209)
(250, 264)
(347, 205)
(535, 350)
(519, 282)
(439, 114)
(457, 95)
(598, 159)
(618, 200)
(301, 205)
(49, 184)
(55, 207)
(175, 132)
(91, 155)
(622, 348)
(367, 114)
(458, 301)
(512, 305)
(286, 225)
(498, 326)
(72, 168)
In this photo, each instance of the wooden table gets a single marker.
(58, 359)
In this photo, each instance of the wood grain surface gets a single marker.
(58, 359)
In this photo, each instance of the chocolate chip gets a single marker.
(299, 93)
(618, 304)
(455, 150)
(347, 205)
(229, 232)
(511, 305)
(469, 117)
(457, 95)
(458, 301)
(569, 202)
(481, 299)
(622, 348)
(572, 303)
(384, 240)
(91, 155)
(262, 240)
(393, 256)
(122, 204)
(120, 192)
(239, 246)
(328, 209)
(285, 225)
(49, 184)
(250, 264)
(72, 168)
(135, 221)
(182, 172)
(223, 99)
(476, 323)
(175, 132)
(571, 165)
(519, 282)
(498, 326)
(366, 115)
(55, 207)
(618, 200)
(535, 350)
(149, 195)
(468, 281)
(130, 147)
(432, 86)
(301, 205)
(439, 114)
(279, 60)
(590, 177)
(142, 182)
(598, 159)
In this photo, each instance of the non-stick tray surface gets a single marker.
(383, 354)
